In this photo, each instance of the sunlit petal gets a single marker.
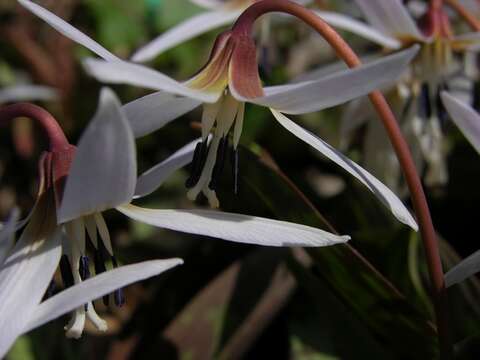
(96, 287)
(337, 88)
(234, 227)
(122, 72)
(384, 194)
(68, 30)
(104, 169)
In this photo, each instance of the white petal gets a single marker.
(184, 31)
(96, 287)
(337, 88)
(384, 194)
(466, 118)
(153, 178)
(7, 234)
(347, 23)
(463, 270)
(122, 72)
(234, 227)
(27, 93)
(390, 17)
(469, 41)
(104, 169)
(68, 30)
(26, 274)
(153, 111)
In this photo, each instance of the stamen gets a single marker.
(118, 295)
(219, 163)
(425, 105)
(84, 269)
(99, 263)
(103, 231)
(199, 156)
(234, 163)
(92, 315)
(66, 271)
(74, 329)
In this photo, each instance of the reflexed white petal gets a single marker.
(466, 118)
(7, 234)
(122, 72)
(384, 194)
(390, 17)
(153, 111)
(463, 270)
(469, 41)
(186, 30)
(153, 178)
(26, 273)
(337, 88)
(68, 30)
(104, 169)
(234, 227)
(27, 93)
(347, 23)
(95, 287)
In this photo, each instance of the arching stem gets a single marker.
(464, 13)
(56, 137)
(243, 26)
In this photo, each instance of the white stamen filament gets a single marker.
(104, 233)
(226, 111)
(76, 231)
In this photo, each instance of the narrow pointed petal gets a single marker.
(104, 169)
(384, 194)
(234, 227)
(390, 17)
(122, 72)
(95, 287)
(463, 270)
(337, 88)
(7, 234)
(26, 274)
(184, 31)
(27, 93)
(347, 23)
(153, 178)
(154, 111)
(68, 30)
(466, 118)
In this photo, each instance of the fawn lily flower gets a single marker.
(468, 121)
(228, 80)
(421, 110)
(27, 268)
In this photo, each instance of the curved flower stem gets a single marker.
(56, 137)
(468, 17)
(243, 26)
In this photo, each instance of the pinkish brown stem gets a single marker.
(243, 26)
(56, 137)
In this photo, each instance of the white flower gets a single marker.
(227, 81)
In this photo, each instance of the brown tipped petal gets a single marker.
(244, 81)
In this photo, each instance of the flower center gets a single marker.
(211, 153)
(75, 267)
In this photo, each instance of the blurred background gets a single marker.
(365, 300)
